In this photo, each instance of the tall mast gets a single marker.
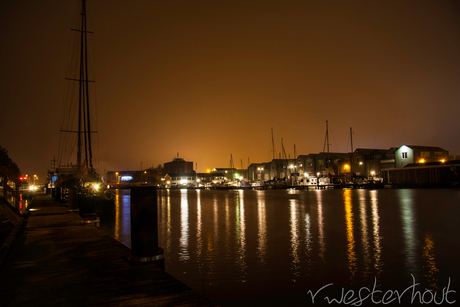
(80, 95)
(326, 143)
(327, 138)
(273, 146)
(84, 122)
(352, 154)
(90, 153)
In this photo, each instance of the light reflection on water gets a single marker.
(409, 230)
(21, 202)
(295, 262)
(378, 265)
(240, 247)
(184, 226)
(350, 234)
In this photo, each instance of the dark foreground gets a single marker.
(57, 260)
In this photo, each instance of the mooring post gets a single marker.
(144, 226)
(73, 199)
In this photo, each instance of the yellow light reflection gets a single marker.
(428, 257)
(227, 224)
(364, 231)
(378, 264)
(308, 237)
(168, 220)
(184, 227)
(241, 235)
(116, 234)
(322, 243)
(199, 239)
(261, 230)
(215, 210)
(350, 237)
(294, 237)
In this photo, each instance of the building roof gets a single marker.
(369, 151)
(424, 147)
(306, 156)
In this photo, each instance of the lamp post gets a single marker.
(116, 174)
(317, 179)
(260, 171)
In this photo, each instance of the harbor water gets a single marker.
(307, 247)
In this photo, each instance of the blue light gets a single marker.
(126, 178)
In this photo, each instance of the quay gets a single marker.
(57, 258)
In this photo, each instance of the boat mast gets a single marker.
(352, 153)
(326, 143)
(79, 166)
(86, 86)
(84, 122)
(273, 146)
(285, 163)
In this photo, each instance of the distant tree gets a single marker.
(7, 166)
(154, 174)
(8, 170)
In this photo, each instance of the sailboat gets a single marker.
(77, 132)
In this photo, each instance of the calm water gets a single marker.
(271, 247)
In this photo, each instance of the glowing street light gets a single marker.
(260, 171)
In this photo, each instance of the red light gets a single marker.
(20, 178)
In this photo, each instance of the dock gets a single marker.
(58, 259)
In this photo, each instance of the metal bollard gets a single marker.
(73, 200)
(144, 226)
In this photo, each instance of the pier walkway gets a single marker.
(57, 260)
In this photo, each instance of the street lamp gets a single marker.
(260, 171)
(116, 174)
(317, 179)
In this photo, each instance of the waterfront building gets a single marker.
(427, 174)
(306, 165)
(367, 162)
(389, 159)
(327, 163)
(209, 179)
(232, 173)
(407, 154)
(258, 171)
(277, 169)
(178, 165)
(180, 180)
(179, 173)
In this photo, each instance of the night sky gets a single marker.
(207, 79)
